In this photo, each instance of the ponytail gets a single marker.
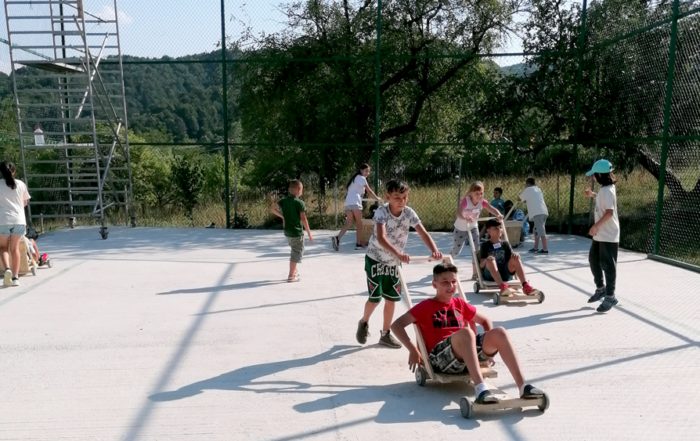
(359, 172)
(7, 169)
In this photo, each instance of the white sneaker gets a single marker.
(8, 277)
(15, 281)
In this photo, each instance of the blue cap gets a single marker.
(602, 166)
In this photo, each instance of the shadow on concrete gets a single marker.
(233, 287)
(273, 305)
(403, 402)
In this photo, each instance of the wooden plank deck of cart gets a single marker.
(425, 372)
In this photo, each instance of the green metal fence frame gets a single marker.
(575, 141)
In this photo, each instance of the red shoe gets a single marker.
(505, 290)
(529, 290)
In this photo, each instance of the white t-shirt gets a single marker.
(396, 233)
(607, 200)
(535, 201)
(355, 191)
(471, 210)
(12, 203)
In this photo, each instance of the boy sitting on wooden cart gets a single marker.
(447, 324)
(500, 264)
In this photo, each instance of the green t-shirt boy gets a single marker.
(291, 208)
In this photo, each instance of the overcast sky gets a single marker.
(155, 28)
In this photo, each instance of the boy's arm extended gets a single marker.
(398, 328)
(305, 222)
(482, 320)
(381, 238)
(495, 211)
(429, 242)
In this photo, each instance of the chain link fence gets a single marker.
(429, 92)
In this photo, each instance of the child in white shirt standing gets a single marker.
(467, 215)
(537, 213)
(606, 236)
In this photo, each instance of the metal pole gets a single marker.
(376, 122)
(577, 120)
(335, 199)
(30, 224)
(667, 126)
(130, 195)
(224, 103)
(459, 182)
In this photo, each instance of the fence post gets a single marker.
(224, 103)
(378, 97)
(335, 200)
(667, 126)
(459, 182)
(577, 120)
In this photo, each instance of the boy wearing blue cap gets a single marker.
(606, 236)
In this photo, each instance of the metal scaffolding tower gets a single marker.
(68, 84)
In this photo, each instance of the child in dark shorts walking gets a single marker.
(448, 325)
(385, 251)
(292, 210)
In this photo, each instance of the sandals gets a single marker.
(295, 278)
(530, 391)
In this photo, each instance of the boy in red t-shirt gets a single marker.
(448, 327)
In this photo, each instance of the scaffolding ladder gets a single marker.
(69, 96)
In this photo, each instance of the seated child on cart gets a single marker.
(500, 264)
(447, 324)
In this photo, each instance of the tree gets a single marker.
(294, 98)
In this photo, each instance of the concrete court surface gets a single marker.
(158, 334)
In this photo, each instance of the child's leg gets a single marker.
(515, 265)
(389, 308)
(292, 268)
(349, 217)
(608, 263)
(458, 239)
(464, 348)
(537, 240)
(14, 249)
(492, 266)
(358, 225)
(594, 262)
(297, 245)
(4, 246)
(369, 309)
(496, 340)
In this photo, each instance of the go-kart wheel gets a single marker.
(496, 299)
(421, 376)
(465, 407)
(476, 287)
(50, 263)
(33, 271)
(541, 297)
(545, 403)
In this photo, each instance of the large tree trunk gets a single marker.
(673, 183)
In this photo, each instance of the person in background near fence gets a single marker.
(448, 326)
(497, 202)
(293, 213)
(392, 222)
(357, 187)
(537, 212)
(13, 223)
(519, 216)
(606, 235)
(467, 220)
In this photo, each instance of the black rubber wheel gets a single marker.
(496, 299)
(421, 376)
(545, 403)
(541, 297)
(476, 287)
(465, 407)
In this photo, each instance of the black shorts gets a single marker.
(443, 359)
